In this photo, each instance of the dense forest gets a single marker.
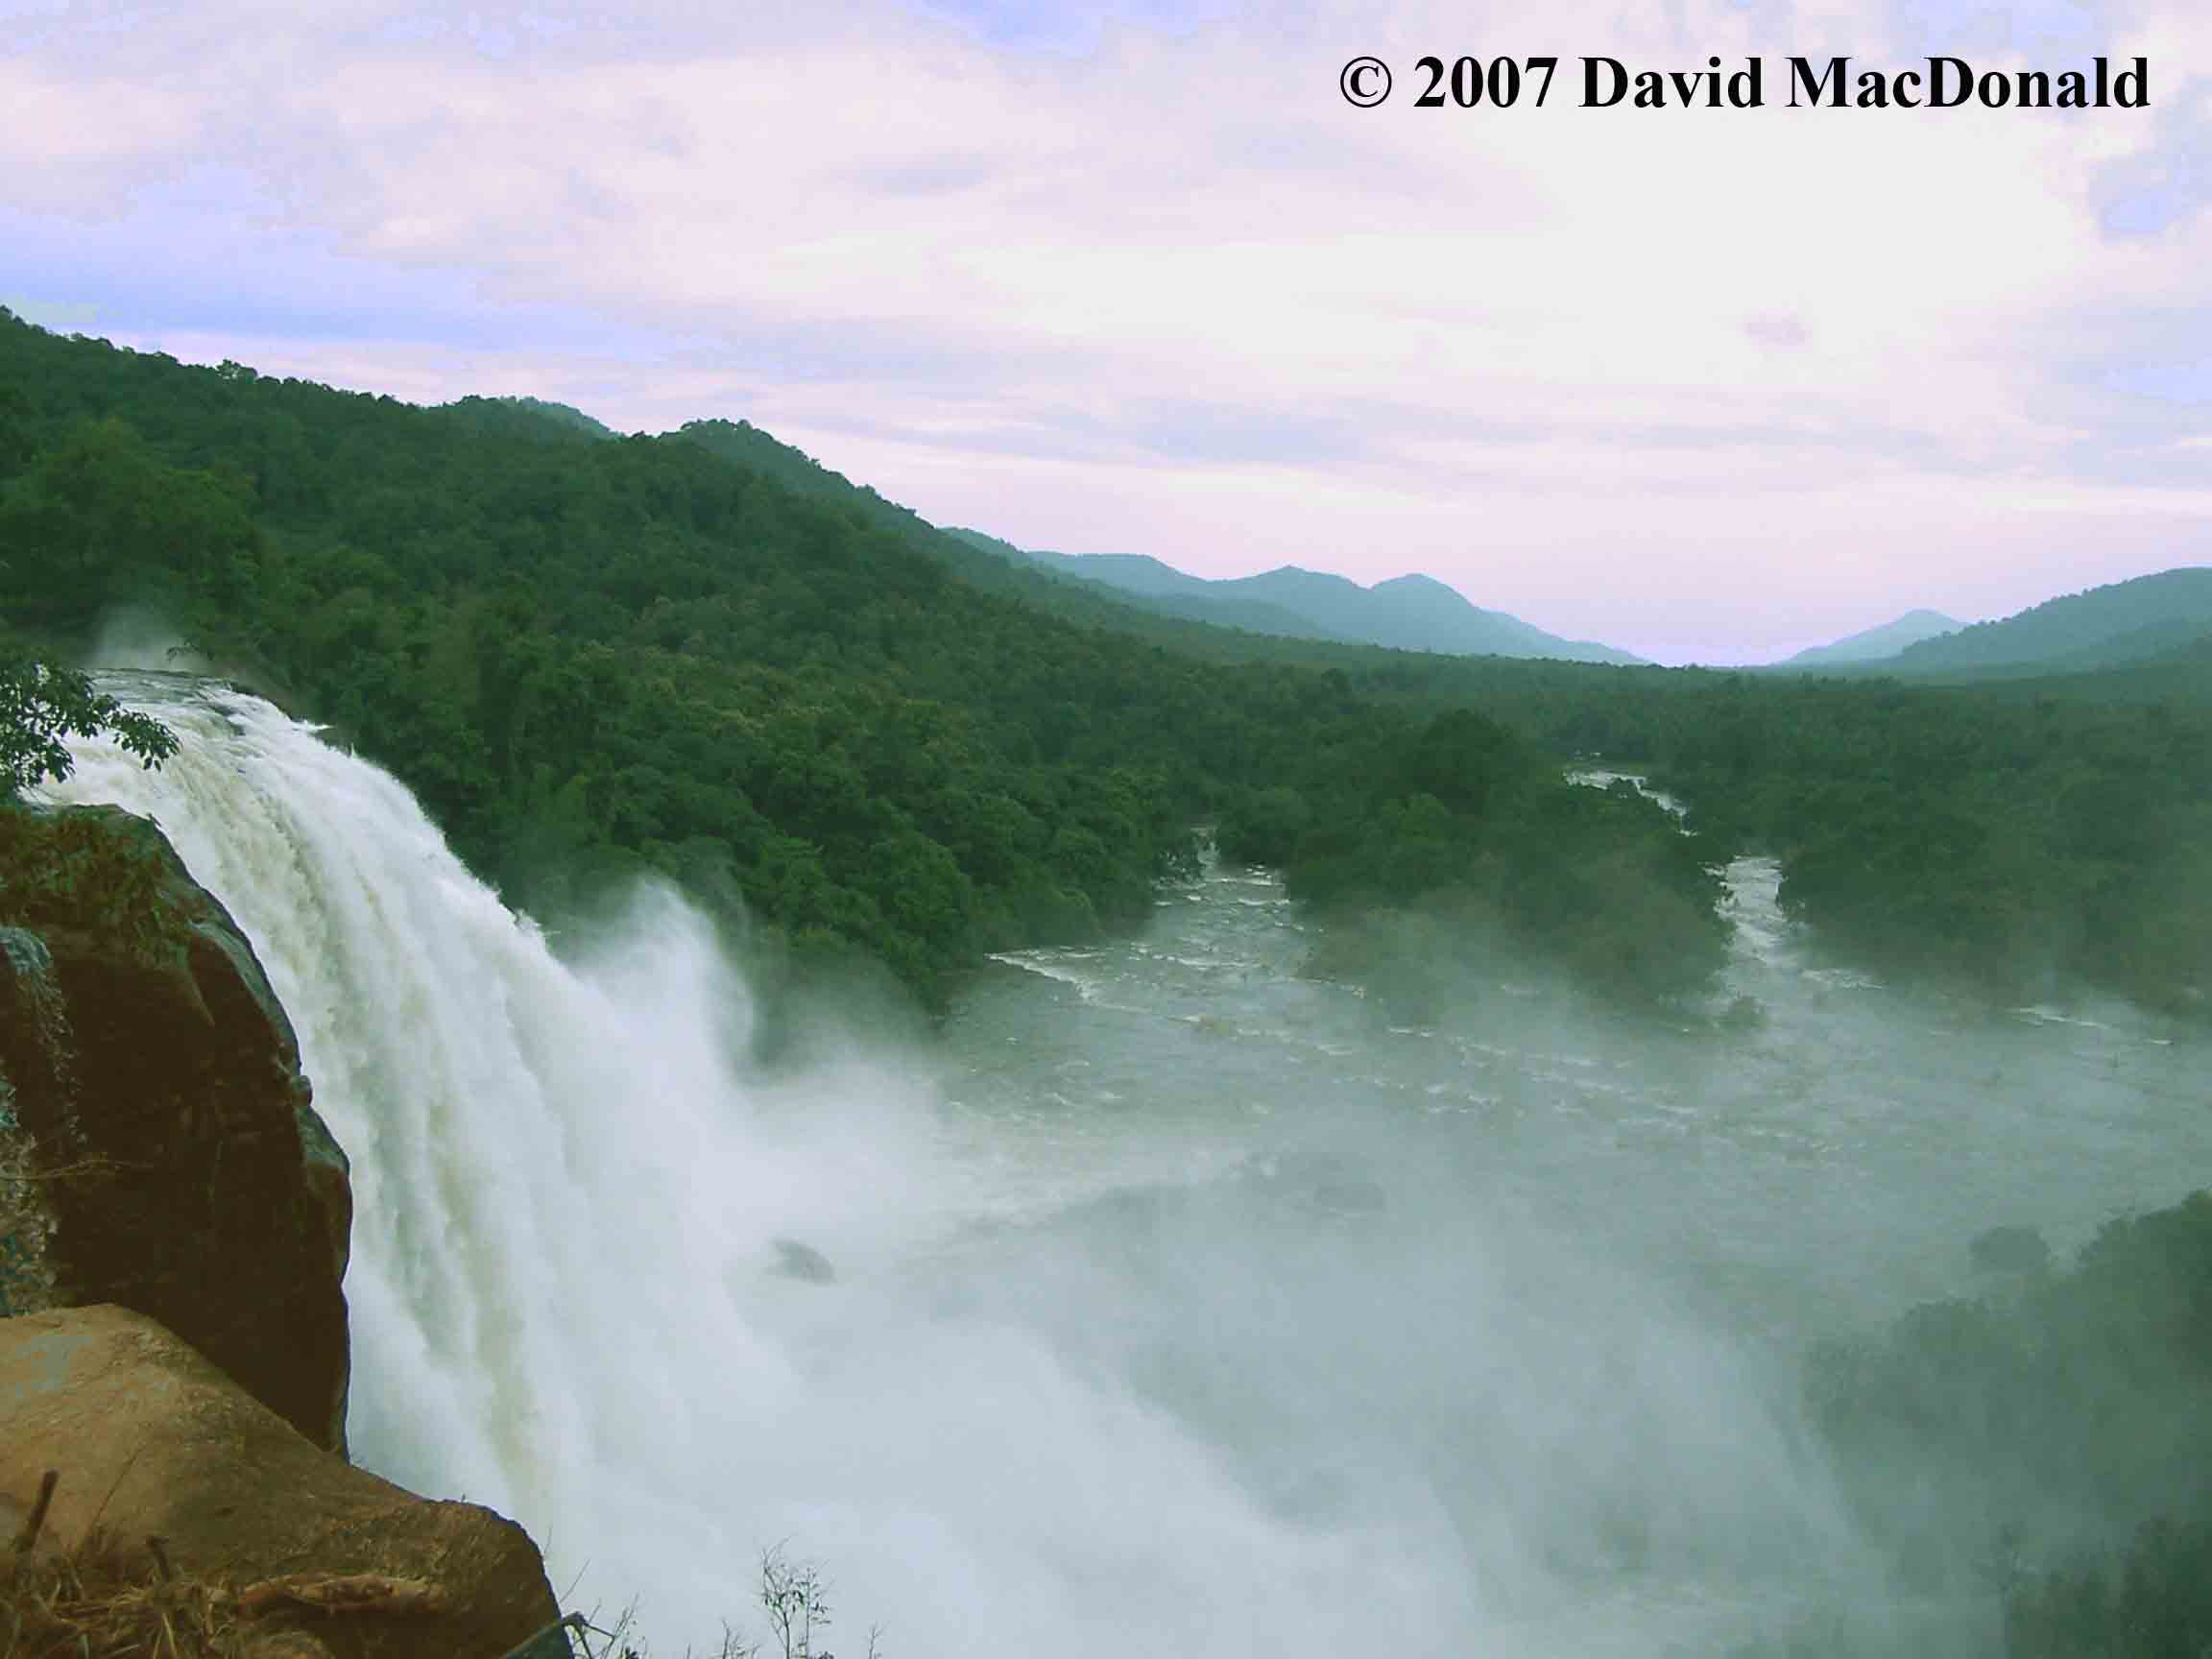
(2047, 1440)
(704, 654)
(2104, 626)
(2013, 837)
(594, 656)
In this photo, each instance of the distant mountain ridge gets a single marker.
(1872, 644)
(1141, 580)
(1103, 590)
(995, 567)
(2118, 623)
(1410, 612)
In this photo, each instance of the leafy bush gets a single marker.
(94, 870)
(2152, 1602)
(41, 708)
(2028, 1436)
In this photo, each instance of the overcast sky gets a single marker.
(1706, 384)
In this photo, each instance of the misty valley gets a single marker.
(1110, 1113)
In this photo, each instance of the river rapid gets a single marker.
(1171, 1301)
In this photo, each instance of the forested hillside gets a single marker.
(1874, 644)
(704, 653)
(2048, 1437)
(2019, 835)
(982, 562)
(697, 653)
(2116, 623)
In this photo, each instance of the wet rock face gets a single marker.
(157, 1146)
(30, 1026)
(318, 1557)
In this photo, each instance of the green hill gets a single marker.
(2181, 675)
(2096, 628)
(517, 414)
(1873, 644)
(703, 655)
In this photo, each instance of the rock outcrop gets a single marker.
(174, 1231)
(152, 1441)
(157, 1146)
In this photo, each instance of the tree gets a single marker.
(41, 706)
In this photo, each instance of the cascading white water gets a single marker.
(1131, 1367)
(565, 1196)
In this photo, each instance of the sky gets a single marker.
(1707, 384)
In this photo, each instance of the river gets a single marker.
(1170, 1300)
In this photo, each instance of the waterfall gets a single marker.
(568, 1203)
(559, 1172)
(1200, 1314)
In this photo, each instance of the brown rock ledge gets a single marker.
(150, 1440)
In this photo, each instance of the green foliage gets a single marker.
(97, 517)
(1980, 838)
(2151, 1597)
(2017, 1438)
(2112, 623)
(2153, 1603)
(41, 706)
(1459, 818)
(90, 872)
(699, 654)
(705, 655)
(2008, 837)
(522, 414)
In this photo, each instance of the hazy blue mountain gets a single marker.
(1874, 644)
(2121, 623)
(1138, 579)
(1409, 612)
(1137, 572)
(1425, 614)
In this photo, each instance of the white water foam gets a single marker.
(1077, 1388)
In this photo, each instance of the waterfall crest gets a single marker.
(551, 1165)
